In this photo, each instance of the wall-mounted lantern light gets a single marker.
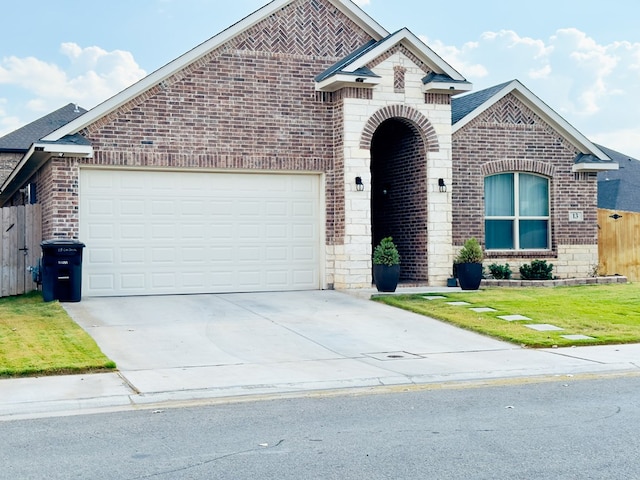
(359, 184)
(441, 185)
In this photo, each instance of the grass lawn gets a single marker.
(38, 338)
(608, 313)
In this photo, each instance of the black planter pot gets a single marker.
(386, 277)
(469, 275)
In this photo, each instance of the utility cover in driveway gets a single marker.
(161, 232)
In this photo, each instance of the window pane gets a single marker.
(499, 234)
(534, 234)
(498, 195)
(534, 196)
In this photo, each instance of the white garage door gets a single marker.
(158, 232)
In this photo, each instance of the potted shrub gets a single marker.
(469, 265)
(386, 265)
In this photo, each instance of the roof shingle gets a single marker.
(21, 139)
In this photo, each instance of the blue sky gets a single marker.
(582, 58)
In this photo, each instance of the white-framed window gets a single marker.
(516, 212)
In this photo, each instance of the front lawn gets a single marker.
(610, 314)
(38, 338)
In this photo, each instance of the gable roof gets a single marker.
(468, 107)
(620, 189)
(353, 68)
(21, 139)
(347, 7)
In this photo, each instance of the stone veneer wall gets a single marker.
(431, 116)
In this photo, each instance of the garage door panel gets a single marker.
(217, 232)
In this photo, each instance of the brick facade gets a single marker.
(509, 137)
(250, 104)
(8, 161)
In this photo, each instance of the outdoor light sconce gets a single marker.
(441, 185)
(359, 184)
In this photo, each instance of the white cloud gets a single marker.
(458, 58)
(90, 76)
(8, 123)
(594, 86)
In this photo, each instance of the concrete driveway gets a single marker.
(202, 346)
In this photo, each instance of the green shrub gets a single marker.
(500, 271)
(471, 252)
(386, 253)
(537, 270)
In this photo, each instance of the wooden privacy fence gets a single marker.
(19, 248)
(619, 243)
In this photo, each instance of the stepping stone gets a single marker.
(544, 327)
(458, 304)
(483, 309)
(577, 337)
(513, 318)
(433, 297)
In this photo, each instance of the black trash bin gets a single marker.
(62, 270)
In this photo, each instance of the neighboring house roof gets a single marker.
(353, 68)
(468, 107)
(620, 189)
(21, 139)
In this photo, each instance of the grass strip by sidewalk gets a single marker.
(38, 338)
(608, 313)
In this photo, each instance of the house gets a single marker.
(275, 155)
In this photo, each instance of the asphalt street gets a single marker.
(562, 429)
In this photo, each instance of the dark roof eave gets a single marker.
(35, 158)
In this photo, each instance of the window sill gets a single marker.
(542, 254)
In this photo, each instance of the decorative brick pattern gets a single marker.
(422, 123)
(398, 78)
(404, 51)
(437, 99)
(347, 92)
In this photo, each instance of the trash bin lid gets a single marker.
(62, 242)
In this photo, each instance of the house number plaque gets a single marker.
(576, 216)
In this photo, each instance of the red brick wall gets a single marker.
(59, 198)
(8, 162)
(250, 104)
(510, 137)
(398, 163)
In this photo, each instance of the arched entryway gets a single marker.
(399, 193)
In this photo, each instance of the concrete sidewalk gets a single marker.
(176, 349)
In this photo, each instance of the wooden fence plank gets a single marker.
(2, 270)
(619, 243)
(20, 237)
(33, 219)
(21, 247)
